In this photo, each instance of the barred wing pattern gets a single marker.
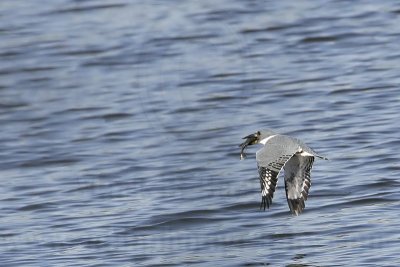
(298, 181)
(269, 178)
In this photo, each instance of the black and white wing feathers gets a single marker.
(268, 179)
(298, 181)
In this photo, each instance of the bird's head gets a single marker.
(253, 139)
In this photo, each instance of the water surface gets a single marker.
(120, 122)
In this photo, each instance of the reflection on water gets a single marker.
(121, 120)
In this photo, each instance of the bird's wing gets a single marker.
(270, 160)
(298, 181)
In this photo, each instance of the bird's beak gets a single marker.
(250, 140)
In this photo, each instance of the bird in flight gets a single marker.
(291, 154)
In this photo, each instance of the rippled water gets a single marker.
(120, 122)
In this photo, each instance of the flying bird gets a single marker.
(291, 154)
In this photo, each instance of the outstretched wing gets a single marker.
(268, 181)
(298, 181)
(270, 161)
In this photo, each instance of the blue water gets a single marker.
(120, 124)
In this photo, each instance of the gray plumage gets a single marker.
(291, 154)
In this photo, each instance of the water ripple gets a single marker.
(121, 124)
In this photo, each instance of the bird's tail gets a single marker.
(318, 155)
(321, 157)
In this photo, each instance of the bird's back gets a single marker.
(277, 147)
